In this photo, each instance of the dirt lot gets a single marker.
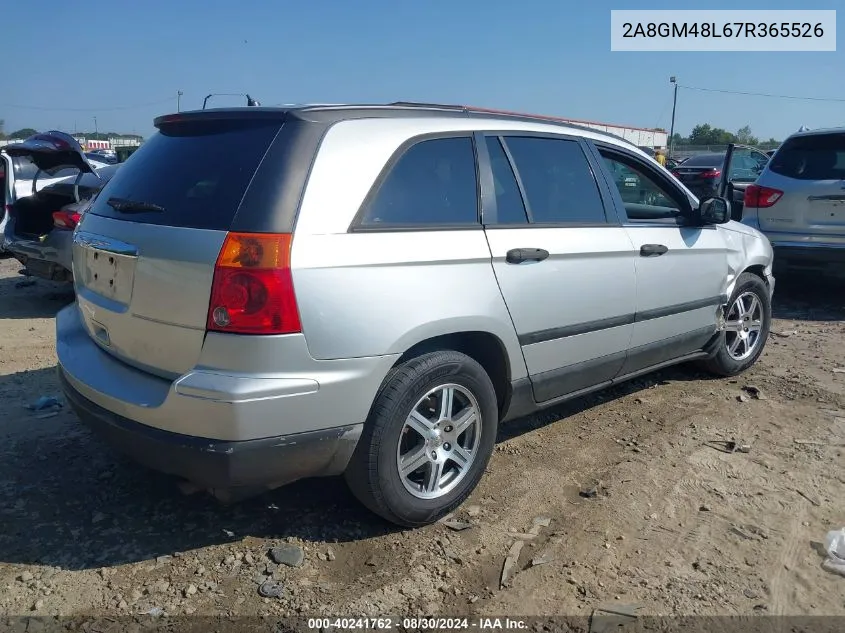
(676, 525)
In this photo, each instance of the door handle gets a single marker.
(519, 255)
(652, 250)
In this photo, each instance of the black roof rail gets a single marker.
(543, 118)
(434, 106)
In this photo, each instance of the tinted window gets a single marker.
(746, 165)
(705, 160)
(432, 183)
(89, 184)
(197, 171)
(24, 168)
(812, 157)
(643, 194)
(510, 208)
(558, 181)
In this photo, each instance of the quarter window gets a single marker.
(558, 182)
(433, 183)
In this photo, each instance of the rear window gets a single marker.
(812, 157)
(198, 171)
(89, 184)
(25, 169)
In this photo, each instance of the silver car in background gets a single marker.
(798, 202)
(49, 184)
(267, 294)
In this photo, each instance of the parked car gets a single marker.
(102, 157)
(40, 238)
(702, 174)
(124, 152)
(267, 294)
(798, 201)
(21, 177)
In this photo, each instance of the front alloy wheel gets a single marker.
(746, 327)
(743, 324)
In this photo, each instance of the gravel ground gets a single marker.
(615, 498)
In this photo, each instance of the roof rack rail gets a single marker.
(417, 104)
(542, 118)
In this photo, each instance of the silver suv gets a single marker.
(799, 201)
(270, 294)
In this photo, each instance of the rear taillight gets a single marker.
(711, 174)
(252, 291)
(761, 197)
(676, 173)
(66, 219)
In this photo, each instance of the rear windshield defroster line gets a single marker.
(191, 174)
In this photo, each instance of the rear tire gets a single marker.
(407, 466)
(748, 319)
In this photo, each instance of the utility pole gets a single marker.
(179, 94)
(673, 80)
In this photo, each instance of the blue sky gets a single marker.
(540, 56)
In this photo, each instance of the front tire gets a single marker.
(428, 439)
(748, 319)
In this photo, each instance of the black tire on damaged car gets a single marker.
(373, 472)
(723, 363)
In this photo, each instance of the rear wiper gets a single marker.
(132, 206)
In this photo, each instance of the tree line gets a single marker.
(705, 134)
(26, 132)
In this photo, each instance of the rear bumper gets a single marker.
(290, 417)
(816, 256)
(263, 463)
(49, 259)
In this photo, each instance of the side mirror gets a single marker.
(714, 211)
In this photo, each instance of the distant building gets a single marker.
(112, 143)
(89, 145)
(641, 136)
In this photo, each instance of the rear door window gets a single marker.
(433, 183)
(197, 171)
(558, 181)
(811, 157)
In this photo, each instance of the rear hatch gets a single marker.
(145, 251)
(40, 164)
(46, 157)
(809, 172)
